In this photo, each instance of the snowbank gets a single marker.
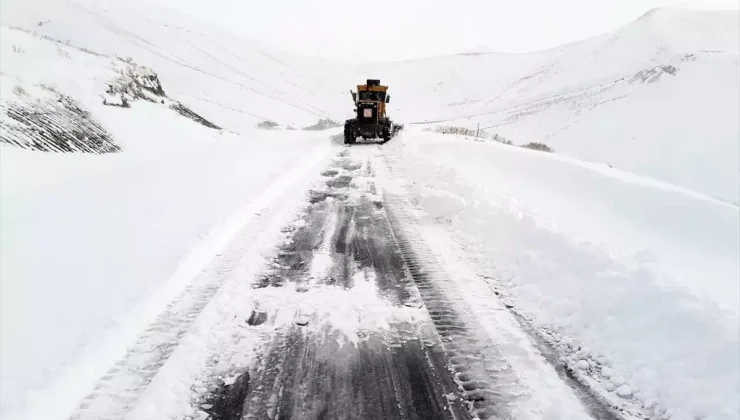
(79, 253)
(635, 282)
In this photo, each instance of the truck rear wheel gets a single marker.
(386, 133)
(349, 133)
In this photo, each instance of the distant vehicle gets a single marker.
(371, 121)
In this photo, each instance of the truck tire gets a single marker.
(349, 133)
(386, 133)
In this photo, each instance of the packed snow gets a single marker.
(620, 249)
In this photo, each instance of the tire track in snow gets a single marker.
(513, 341)
(346, 346)
(379, 330)
(118, 390)
(487, 382)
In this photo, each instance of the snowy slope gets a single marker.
(659, 97)
(230, 79)
(635, 284)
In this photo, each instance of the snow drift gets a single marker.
(635, 283)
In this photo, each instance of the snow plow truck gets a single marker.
(371, 120)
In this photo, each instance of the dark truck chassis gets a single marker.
(370, 121)
(384, 129)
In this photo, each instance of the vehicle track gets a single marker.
(439, 363)
(487, 382)
(356, 319)
(118, 390)
(209, 273)
(391, 364)
(439, 291)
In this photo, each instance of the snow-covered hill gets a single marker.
(227, 78)
(166, 166)
(659, 97)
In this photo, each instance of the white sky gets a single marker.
(381, 30)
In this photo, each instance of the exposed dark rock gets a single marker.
(227, 402)
(139, 82)
(653, 74)
(53, 124)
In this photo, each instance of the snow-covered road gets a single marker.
(390, 282)
(353, 314)
(227, 253)
(367, 326)
(633, 283)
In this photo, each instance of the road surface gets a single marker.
(352, 320)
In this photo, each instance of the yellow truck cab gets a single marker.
(371, 120)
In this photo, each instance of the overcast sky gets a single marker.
(381, 30)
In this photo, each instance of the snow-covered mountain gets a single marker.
(160, 112)
(659, 97)
(228, 78)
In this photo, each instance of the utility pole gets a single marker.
(477, 131)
